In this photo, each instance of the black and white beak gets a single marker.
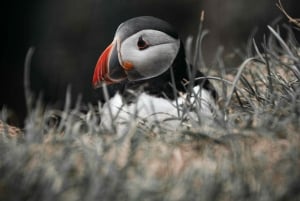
(142, 48)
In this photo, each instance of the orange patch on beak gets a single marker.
(127, 65)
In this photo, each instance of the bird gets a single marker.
(152, 80)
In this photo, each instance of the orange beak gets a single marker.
(101, 69)
(108, 70)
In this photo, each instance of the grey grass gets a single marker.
(251, 151)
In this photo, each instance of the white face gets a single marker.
(150, 52)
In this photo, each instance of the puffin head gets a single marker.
(142, 48)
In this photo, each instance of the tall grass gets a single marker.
(250, 152)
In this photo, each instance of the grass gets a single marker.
(252, 152)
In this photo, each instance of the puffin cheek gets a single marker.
(156, 60)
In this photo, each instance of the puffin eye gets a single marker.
(142, 44)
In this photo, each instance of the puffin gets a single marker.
(149, 79)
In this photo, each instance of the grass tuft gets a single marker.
(250, 151)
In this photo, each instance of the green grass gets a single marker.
(252, 152)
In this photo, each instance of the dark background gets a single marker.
(69, 35)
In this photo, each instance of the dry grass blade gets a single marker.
(281, 41)
(295, 21)
(257, 51)
(236, 79)
(27, 90)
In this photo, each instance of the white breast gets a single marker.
(156, 113)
